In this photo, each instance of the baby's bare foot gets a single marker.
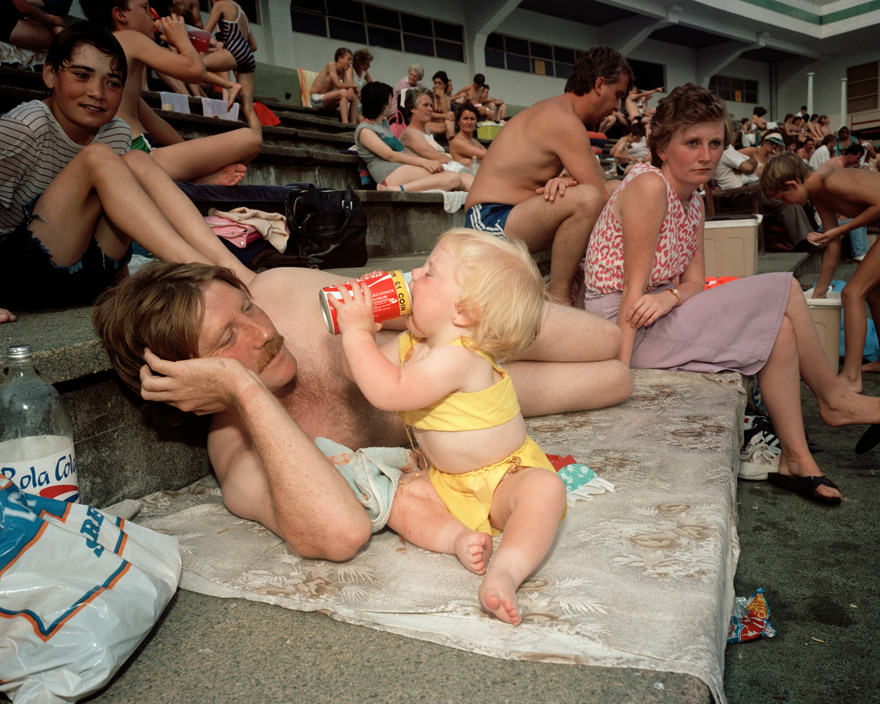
(498, 596)
(473, 550)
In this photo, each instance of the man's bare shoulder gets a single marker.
(291, 283)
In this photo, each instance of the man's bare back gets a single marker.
(847, 191)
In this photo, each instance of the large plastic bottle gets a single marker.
(36, 436)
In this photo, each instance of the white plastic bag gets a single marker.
(79, 590)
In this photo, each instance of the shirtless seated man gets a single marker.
(219, 159)
(518, 191)
(262, 361)
(330, 87)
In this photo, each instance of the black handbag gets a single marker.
(328, 228)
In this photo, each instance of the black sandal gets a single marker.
(805, 486)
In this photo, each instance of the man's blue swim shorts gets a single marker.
(488, 217)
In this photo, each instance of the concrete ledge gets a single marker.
(406, 223)
(118, 454)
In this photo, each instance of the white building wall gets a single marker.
(826, 85)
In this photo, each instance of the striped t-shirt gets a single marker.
(33, 151)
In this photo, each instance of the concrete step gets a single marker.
(290, 115)
(279, 161)
(197, 125)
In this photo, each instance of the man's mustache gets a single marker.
(269, 351)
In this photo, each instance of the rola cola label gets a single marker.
(52, 476)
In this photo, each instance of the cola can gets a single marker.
(391, 297)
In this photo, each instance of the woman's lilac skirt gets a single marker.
(731, 327)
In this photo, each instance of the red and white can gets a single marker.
(391, 297)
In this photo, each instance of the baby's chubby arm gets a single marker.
(384, 384)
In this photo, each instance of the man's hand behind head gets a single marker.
(202, 386)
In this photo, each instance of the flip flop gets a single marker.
(869, 439)
(805, 486)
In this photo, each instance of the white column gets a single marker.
(810, 75)
(843, 111)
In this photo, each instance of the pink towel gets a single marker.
(239, 234)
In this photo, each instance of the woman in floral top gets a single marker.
(644, 269)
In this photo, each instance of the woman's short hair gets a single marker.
(502, 291)
(412, 97)
(759, 111)
(374, 98)
(419, 71)
(781, 169)
(598, 62)
(362, 57)
(442, 76)
(463, 108)
(160, 307)
(686, 105)
(68, 40)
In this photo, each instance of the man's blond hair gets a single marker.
(781, 169)
(502, 291)
(160, 307)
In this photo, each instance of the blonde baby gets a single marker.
(477, 301)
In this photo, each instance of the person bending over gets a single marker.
(477, 301)
(517, 192)
(65, 227)
(854, 194)
(260, 359)
(218, 159)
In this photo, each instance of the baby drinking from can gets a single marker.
(477, 301)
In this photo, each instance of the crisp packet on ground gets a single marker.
(750, 618)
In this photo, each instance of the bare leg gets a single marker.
(30, 35)
(207, 156)
(219, 60)
(563, 225)
(247, 103)
(830, 260)
(415, 179)
(527, 506)
(419, 515)
(779, 382)
(838, 405)
(98, 182)
(344, 98)
(175, 84)
(231, 88)
(181, 214)
(864, 283)
(572, 364)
